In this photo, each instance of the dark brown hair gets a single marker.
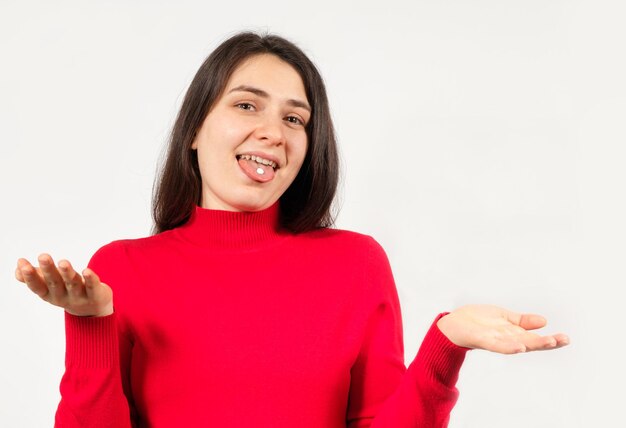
(306, 204)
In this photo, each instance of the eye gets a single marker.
(244, 106)
(296, 120)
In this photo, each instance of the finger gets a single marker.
(73, 281)
(52, 277)
(21, 262)
(18, 270)
(504, 346)
(33, 279)
(561, 339)
(556, 341)
(92, 282)
(98, 293)
(526, 321)
(532, 321)
(515, 339)
(537, 343)
(25, 262)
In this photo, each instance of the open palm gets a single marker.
(63, 286)
(498, 330)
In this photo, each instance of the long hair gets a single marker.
(306, 204)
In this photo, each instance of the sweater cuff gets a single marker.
(91, 342)
(439, 358)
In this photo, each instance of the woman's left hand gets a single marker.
(498, 330)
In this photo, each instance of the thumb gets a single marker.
(527, 321)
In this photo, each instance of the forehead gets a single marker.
(270, 73)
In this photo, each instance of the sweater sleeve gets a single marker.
(95, 385)
(383, 393)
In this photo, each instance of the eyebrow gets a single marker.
(261, 93)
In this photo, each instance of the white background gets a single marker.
(483, 146)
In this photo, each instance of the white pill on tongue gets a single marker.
(251, 168)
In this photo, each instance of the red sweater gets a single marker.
(231, 321)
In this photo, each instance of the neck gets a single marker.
(233, 230)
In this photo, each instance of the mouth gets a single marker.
(263, 162)
(258, 169)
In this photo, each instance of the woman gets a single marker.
(245, 308)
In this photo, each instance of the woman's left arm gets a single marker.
(383, 393)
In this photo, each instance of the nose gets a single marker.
(270, 130)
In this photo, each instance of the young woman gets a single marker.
(245, 308)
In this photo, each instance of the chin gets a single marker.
(251, 206)
(241, 199)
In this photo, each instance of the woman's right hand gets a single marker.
(78, 295)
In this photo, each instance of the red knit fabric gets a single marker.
(230, 321)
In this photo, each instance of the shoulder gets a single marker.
(123, 246)
(346, 243)
(108, 252)
(117, 252)
(365, 257)
(341, 237)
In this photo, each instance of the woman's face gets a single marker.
(262, 113)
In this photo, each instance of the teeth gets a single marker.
(259, 159)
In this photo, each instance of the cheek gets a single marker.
(298, 150)
(233, 131)
(214, 154)
(225, 133)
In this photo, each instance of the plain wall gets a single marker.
(482, 145)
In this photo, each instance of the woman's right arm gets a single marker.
(93, 393)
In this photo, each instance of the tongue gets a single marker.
(252, 169)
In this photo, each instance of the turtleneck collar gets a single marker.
(222, 230)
